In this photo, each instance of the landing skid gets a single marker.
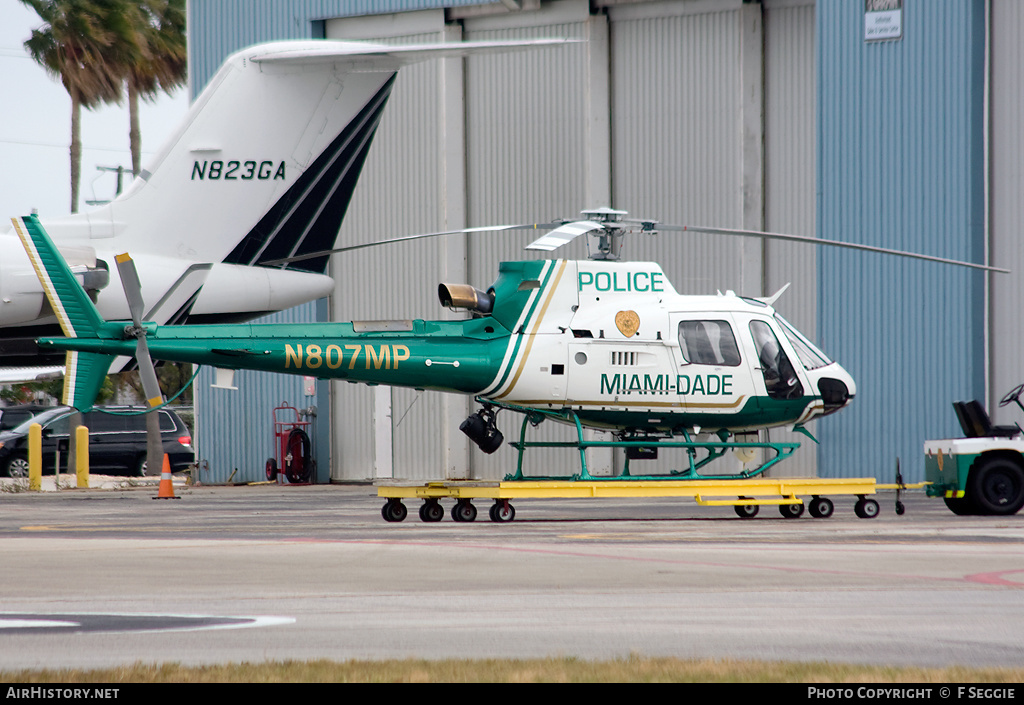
(699, 454)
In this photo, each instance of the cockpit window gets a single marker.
(810, 357)
(780, 378)
(708, 343)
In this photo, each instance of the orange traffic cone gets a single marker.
(166, 486)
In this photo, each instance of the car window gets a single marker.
(166, 422)
(99, 422)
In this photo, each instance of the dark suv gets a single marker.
(117, 441)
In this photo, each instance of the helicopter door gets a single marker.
(711, 377)
(781, 379)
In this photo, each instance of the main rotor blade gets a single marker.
(408, 238)
(819, 241)
(147, 373)
(132, 286)
(563, 235)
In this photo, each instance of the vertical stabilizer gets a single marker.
(76, 313)
(85, 371)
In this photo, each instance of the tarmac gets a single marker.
(101, 577)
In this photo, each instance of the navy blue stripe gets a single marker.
(308, 216)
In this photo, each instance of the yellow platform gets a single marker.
(727, 492)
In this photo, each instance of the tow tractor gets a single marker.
(982, 473)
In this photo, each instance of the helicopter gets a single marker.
(599, 343)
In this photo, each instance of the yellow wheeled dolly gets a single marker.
(745, 495)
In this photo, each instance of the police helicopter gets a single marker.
(598, 343)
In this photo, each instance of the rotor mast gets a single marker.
(605, 243)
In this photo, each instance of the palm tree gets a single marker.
(84, 43)
(162, 63)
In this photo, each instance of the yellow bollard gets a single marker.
(82, 456)
(35, 457)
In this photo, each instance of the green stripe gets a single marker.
(523, 327)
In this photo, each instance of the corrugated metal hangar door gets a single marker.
(685, 112)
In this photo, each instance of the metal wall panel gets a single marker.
(675, 137)
(900, 164)
(526, 157)
(217, 28)
(399, 193)
(234, 428)
(789, 181)
(1006, 184)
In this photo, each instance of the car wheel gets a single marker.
(996, 485)
(17, 465)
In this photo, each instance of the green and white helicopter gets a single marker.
(597, 343)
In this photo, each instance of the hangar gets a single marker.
(887, 122)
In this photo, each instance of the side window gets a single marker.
(708, 343)
(135, 422)
(779, 376)
(99, 422)
(166, 422)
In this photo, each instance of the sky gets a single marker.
(35, 131)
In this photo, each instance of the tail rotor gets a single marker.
(133, 292)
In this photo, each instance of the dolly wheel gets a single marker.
(501, 511)
(866, 508)
(394, 510)
(746, 511)
(431, 511)
(791, 511)
(820, 507)
(463, 511)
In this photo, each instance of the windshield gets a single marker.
(810, 357)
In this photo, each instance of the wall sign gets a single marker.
(883, 19)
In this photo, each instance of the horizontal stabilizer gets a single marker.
(15, 375)
(394, 55)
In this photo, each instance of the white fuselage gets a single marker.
(614, 340)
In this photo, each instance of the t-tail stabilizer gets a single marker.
(85, 371)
